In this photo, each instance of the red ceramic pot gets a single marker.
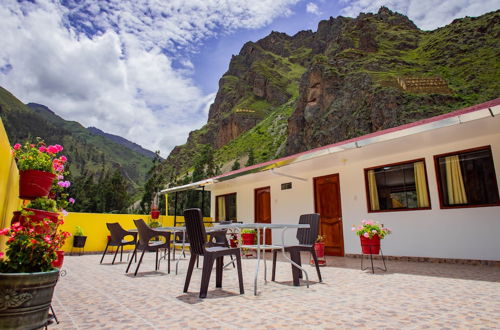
(370, 245)
(155, 214)
(34, 184)
(319, 248)
(37, 217)
(59, 261)
(248, 239)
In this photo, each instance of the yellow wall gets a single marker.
(94, 227)
(9, 184)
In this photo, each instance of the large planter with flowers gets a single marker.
(25, 299)
(34, 184)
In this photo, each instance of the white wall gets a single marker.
(464, 233)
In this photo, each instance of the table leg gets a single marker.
(182, 251)
(264, 256)
(258, 263)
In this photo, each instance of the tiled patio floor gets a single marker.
(409, 295)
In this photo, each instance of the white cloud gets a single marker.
(109, 63)
(426, 14)
(312, 8)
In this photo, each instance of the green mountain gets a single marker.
(89, 154)
(285, 94)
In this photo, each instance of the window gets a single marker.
(225, 207)
(401, 186)
(467, 178)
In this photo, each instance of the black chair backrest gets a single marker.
(116, 231)
(145, 232)
(195, 230)
(308, 235)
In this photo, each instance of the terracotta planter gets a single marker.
(34, 184)
(248, 239)
(155, 214)
(37, 217)
(26, 298)
(60, 259)
(370, 245)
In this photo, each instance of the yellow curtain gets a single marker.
(221, 206)
(455, 181)
(372, 189)
(421, 184)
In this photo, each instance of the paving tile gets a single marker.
(413, 295)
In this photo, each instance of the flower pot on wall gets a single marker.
(155, 214)
(370, 245)
(34, 184)
(25, 299)
(39, 216)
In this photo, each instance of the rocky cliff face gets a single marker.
(284, 94)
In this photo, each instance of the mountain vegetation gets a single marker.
(286, 94)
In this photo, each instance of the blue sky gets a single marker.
(148, 70)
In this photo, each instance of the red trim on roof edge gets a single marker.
(459, 112)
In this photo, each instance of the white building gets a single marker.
(433, 182)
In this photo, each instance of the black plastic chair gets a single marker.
(198, 239)
(118, 234)
(146, 234)
(219, 238)
(307, 238)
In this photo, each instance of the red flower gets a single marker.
(34, 241)
(4, 231)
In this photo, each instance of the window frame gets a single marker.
(368, 206)
(217, 205)
(438, 177)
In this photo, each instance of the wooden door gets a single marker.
(327, 204)
(262, 197)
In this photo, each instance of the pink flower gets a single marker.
(59, 147)
(17, 146)
(353, 228)
(47, 239)
(42, 149)
(63, 158)
(64, 184)
(64, 212)
(363, 222)
(366, 235)
(71, 200)
(60, 177)
(1, 254)
(4, 231)
(374, 231)
(52, 149)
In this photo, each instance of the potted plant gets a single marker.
(248, 236)
(319, 249)
(370, 234)
(39, 209)
(79, 238)
(155, 213)
(27, 277)
(38, 166)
